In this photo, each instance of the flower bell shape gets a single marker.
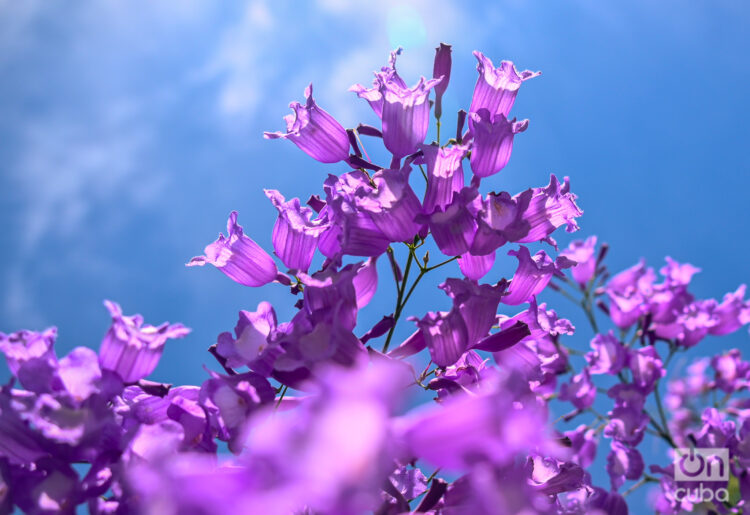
(623, 462)
(406, 116)
(732, 313)
(549, 208)
(238, 257)
(314, 131)
(132, 349)
(23, 346)
(500, 220)
(441, 69)
(446, 336)
(531, 277)
(453, 228)
(352, 231)
(477, 304)
(404, 111)
(608, 355)
(393, 205)
(250, 343)
(583, 253)
(580, 391)
(496, 88)
(445, 174)
(296, 233)
(493, 141)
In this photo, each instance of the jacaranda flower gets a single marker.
(496, 88)
(132, 349)
(314, 131)
(239, 257)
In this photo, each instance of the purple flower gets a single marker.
(314, 131)
(623, 463)
(238, 257)
(366, 282)
(489, 490)
(549, 208)
(477, 304)
(608, 355)
(446, 336)
(332, 293)
(583, 253)
(296, 233)
(454, 226)
(732, 313)
(583, 443)
(604, 502)
(404, 111)
(696, 320)
(500, 220)
(352, 231)
(496, 88)
(580, 391)
(732, 373)
(409, 482)
(463, 376)
(627, 424)
(646, 366)
(531, 277)
(24, 346)
(441, 69)
(80, 374)
(628, 292)
(493, 141)
(475, 267)
(552, 476)
(467, 429)
(717, 431)
(393, 206)
(250, 345)
(132, 349)
(235, 397)
(678, 273)
(333, 452)
(445, 175)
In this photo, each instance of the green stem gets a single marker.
(431, 268)
(402, 299)
(399, 297)
(645, 479)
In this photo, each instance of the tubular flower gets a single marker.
(532, 275)
(584, 254)
(314, 131)
(238, 257)
(404, 111)
(393, 206)
(295, 235)
(445, 175)
(493, 141)
(496, 88)
(132, 349)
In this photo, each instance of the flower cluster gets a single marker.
(654, 321)
(315, 414)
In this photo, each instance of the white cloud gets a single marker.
(68, 167)
(241, 62)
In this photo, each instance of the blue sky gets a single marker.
(129, 131)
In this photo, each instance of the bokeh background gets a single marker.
(129, 131)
